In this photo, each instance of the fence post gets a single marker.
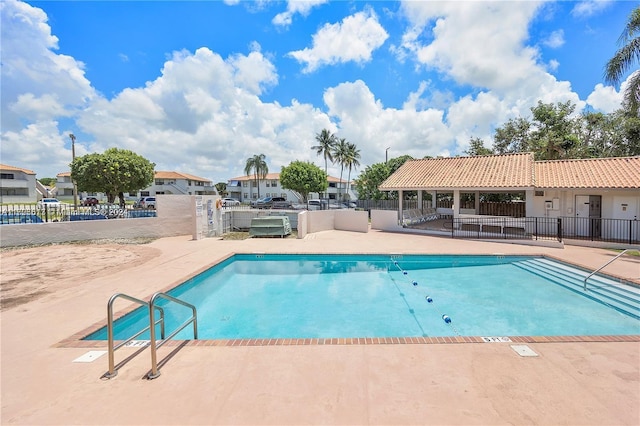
(560, 229)
(452, 231)
(536, 228)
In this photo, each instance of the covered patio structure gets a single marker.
(473, 177)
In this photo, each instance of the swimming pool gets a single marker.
(253, 296)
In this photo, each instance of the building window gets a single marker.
(245, 184)
(246, 195)
(6, 176)
(159, 182)
(14, 192)
(274, 183)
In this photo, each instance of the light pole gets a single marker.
(73, 157)
(386, 155)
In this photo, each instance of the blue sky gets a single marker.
(199, 87)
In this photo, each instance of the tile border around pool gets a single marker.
(75, 342)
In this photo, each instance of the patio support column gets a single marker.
(476, 198)
(456, 203)
(434, 202)
(420, 199)
(400, 206)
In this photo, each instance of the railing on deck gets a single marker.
(497, 227)
(546, 228)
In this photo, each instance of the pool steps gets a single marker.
(622, 297)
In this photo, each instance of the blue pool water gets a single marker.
(322, 296)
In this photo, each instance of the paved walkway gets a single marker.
(474, 383)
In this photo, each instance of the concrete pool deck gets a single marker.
(465, 383)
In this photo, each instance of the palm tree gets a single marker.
(624, 58)
(326, 144)
(340, 151)
(351, 160)
(259, 168)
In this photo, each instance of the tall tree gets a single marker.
(554, 136)
(114, 172)
(221, 187)
(513, 136)
(476, 147)
(550, 134)
(623, 61)
(326, 145)
(303, 178)
(258, 166)
(352, 161)
(370, 179)
(340, 151)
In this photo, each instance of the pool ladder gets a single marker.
(113, 372)
(602, 267)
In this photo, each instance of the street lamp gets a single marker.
(386, 155)
(73, 157)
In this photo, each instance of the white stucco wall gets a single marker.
(612, 201)
(385, 220)
(326, 220)
(174, 217)
(351, 220)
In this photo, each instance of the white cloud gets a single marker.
(203, 115)
(553, 65)
(491, 55)
(364, 121)
(555, 39)
(587, 8)
(31, 70)
(354, 39)
(606, 98)
(293, 7)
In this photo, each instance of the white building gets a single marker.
(178, 183)
(19, 185)
(165, 182)
(244, 188)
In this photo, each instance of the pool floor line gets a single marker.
(76, 342)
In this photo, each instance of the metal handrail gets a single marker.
(112, 369)
(194, 319)
(602, 267)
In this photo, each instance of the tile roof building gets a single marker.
(578, 188)
(243, 188)
(514, 171)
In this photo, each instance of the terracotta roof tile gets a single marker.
(511, 171)
(176, 175)
(17, 169)
(617, 172)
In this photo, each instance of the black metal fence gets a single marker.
(25, 213)
(597, 229)
(546, 228)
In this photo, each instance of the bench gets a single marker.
(272, 226)
(417, 216)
